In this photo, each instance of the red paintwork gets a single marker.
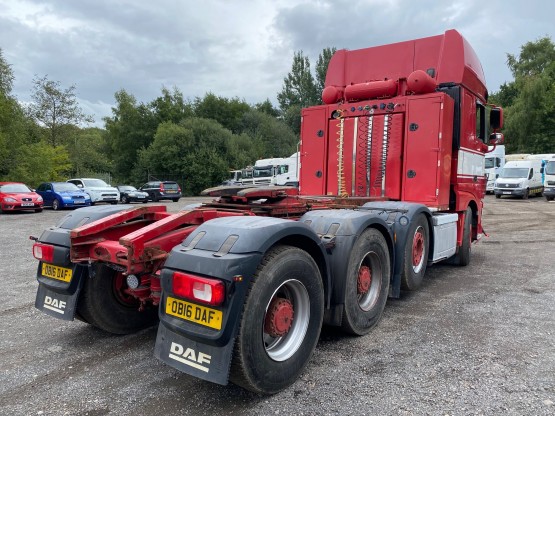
(279, 317)
(452, 58)
(364, 280)
(417, 248)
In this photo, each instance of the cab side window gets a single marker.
(481, 126)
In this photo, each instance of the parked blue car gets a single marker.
(60, 195)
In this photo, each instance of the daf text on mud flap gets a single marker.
(190, 357)
(55, 305)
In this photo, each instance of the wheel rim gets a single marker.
(369, 281)
(418, 250)
(120, 288)
(286, 320)
(55, 204)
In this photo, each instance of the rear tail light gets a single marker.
(195, 288)
(161, 187)
(43, 252)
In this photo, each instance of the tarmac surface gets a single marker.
(477, 340)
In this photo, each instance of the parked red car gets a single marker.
(17, 196)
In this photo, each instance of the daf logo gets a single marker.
(190, 357)
(54, 304)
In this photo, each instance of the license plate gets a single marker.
(191, 312)
(507, 192)
(27, 204)
(78, 202)
(57, 272)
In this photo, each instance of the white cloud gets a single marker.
(242, 48)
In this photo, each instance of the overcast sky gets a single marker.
(235, 48)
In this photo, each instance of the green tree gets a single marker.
(529, 101)
(199, 149)
(170, 106)
(268, 108)
(270, 137)
(298, 88)
(87, 152)
(321, 69)
(39, 162)
(130, 129)
(6, 76)
(55, 108)
(16, 128)
(535, 58)
(227, 111)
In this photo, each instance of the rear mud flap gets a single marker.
(204, 361)
(55, 303)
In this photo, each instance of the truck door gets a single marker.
(427, 165)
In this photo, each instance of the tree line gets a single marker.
(195, 142)
(198, 141)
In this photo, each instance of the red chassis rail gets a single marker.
(138, 240)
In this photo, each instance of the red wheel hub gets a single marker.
(279, 317)
(364, 280)
(417, 248)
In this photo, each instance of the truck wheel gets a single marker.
(367, 283)
(416, 254)
(463, 256)
(104, 304)
(281, 321)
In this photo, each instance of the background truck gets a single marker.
(493, 163)
(391, 181)
(549, 176)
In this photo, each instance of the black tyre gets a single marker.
(526, 194)
(463, 256)
(281, 321)
(175, 199)
(497, 196)
(124, 199)
(104, 304)
(416, 254)
(366, 283)
(56, 204)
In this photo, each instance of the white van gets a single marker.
(519, 178)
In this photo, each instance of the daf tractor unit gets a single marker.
(391, 181)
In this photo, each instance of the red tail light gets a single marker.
(43, 252)
(161, 187)
(195, 288)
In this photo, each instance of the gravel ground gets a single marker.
(472, 341)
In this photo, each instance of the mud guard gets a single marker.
(229, 249)
(58, 298)
(57, 302)
(339, 230)
(399, 217)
